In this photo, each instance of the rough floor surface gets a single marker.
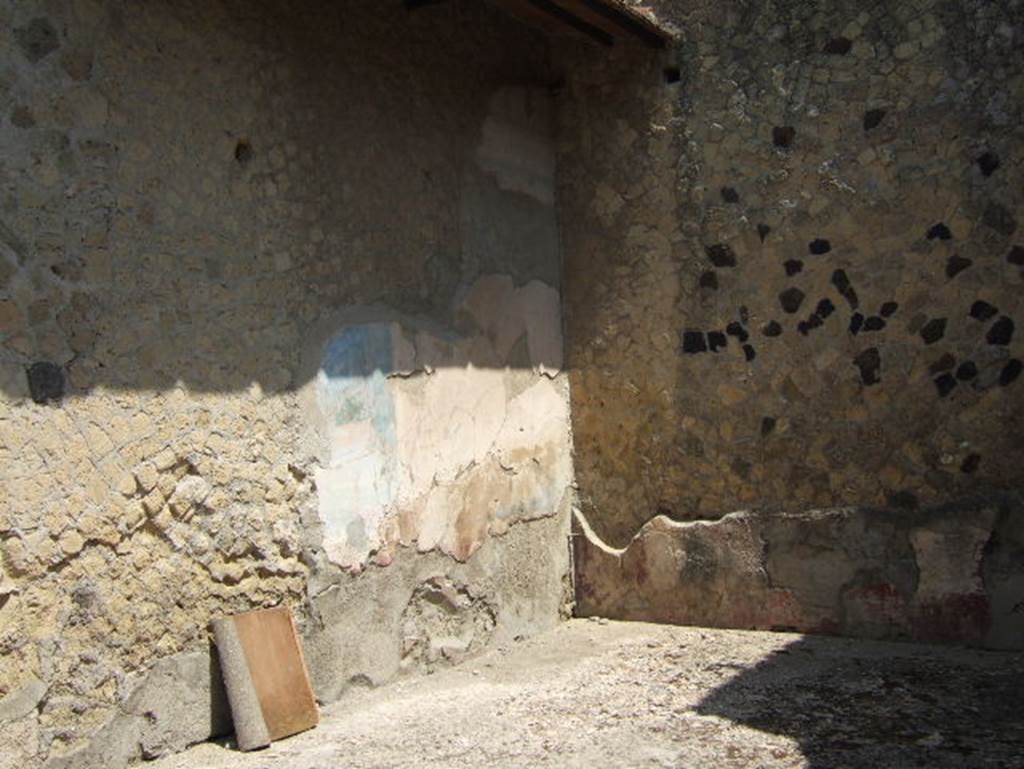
(606, 694)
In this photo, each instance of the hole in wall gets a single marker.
(243, 151)
(967, 371)
(672, 75)
(971, 463)
(1001, 333)
(933, 330)
(783, 136)
(819, 246)
(945, 384)
(982, 310)
(1011, 372)
(694, 342)
(709, 280)
(956, 265)
(939, 231)
(736, 329)
(872, 118)
(987, 162)
(721, 255)
(838, 46)
(869, 362)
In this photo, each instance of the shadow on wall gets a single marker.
(192, 203)
(793, 276)
(862, 705)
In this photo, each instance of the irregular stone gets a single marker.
(791, 299)
(37, 39)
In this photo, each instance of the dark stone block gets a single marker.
(869, 362)
(939, 231)
(763, 230)
(945, 363)
(982, 310)
(874, 323)
(825, 308)
(971, 463)
(783, 136)
(966, 371)
(717, 340)
(840, 281)
(988, 162)
(933, 330)
(693, 342)
(856, 323)
(772, 329)
(888, 309)
(767, 425)
(37, 39)
(838, 46)
(819, 246)
(945, 384)
(1001, 332)
(709, 280)
(749, 352)
(845, 289)
(1016, 256)
(729, 195)
(721, 255)
(735, 329)
(793, 266)
(45, 381)
(1010, 373)
(999, 218)
(956, 265)
(791, 299)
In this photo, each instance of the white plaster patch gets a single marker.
(516, 147)
(429, 446)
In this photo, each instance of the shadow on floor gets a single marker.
(854, 704)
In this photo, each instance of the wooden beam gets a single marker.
(616, 19)
(412, 5)
(572, 20)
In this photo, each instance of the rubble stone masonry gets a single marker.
(794, 264)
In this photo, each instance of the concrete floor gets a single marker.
(605, 694)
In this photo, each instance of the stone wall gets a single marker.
(253, 255)
(794, 272)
